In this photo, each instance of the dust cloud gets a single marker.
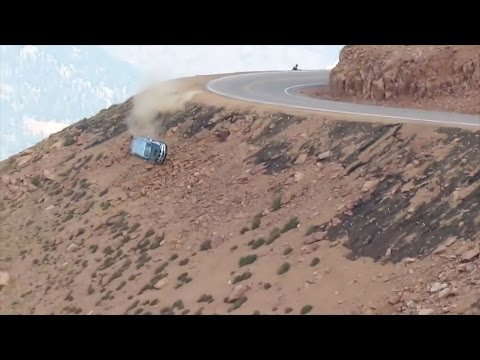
(153, 104)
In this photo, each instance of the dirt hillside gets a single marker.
(429, 77)
(254, 212)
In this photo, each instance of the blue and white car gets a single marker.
(149, 149)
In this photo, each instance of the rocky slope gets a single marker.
(431, 77)
(253, 212)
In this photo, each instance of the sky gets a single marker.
(46, 88)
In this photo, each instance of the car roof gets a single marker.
(139, 145)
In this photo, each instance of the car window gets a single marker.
(148, 150)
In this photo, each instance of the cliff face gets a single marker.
(449, 75)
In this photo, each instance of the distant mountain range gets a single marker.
(45, 88)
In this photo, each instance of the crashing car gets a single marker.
(149, 149)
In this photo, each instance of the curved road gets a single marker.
(282, 88)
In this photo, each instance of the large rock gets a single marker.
(49, 175)
(4, 278)
(298, 176)
(324, 155)
(31, 187)
(237, 292)
(315, 237)
(24, 160)
(6, 179)
(469, 255)
(393, 72)
(369, 185)
(161, 283)
(436, 287)
(301, 159)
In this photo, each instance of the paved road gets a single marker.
(282, 88)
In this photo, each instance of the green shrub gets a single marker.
(291, 224)
(206, 245)
(274, 235)
(257, 220)
(149, 233)
(277, 203)
(105, 205)
(244, 230)
(35, 180)
(68, 140)
(133, 228)
(306, 309)
(312, 229)
(161, 267)
(178, 304)
(283, 269)
(242, 277)
(238, 303)
(257, 243)
(205, 299)
(247, 260)
(315, 261)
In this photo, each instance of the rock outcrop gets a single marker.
(444, 74)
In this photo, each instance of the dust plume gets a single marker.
(151, 106)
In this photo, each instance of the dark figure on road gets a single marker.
(295, 67)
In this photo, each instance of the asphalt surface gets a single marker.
(282, 88)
